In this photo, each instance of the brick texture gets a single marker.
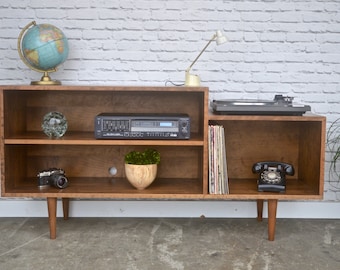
(287, 47)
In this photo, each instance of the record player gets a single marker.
(280, 105)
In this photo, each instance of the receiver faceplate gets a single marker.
(142, 126)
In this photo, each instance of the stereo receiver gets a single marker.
(142, 126)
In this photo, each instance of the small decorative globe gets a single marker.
(43, 47)
(54, 124)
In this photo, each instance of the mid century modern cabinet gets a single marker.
(183, 172)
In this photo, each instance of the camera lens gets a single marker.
(61, 182)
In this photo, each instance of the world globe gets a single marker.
(43, 47)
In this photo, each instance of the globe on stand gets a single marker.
(43, 47)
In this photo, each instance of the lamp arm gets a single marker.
(198, 56)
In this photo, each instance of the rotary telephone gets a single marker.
(272, 175)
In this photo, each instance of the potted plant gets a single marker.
(141, 167)
(333, 145)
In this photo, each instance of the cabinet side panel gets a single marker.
(204, 110)
(311, 152)
(15, 112)
(2, 145)
(13, 158)
(15, 167)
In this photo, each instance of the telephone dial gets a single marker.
(272, 175)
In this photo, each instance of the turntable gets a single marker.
(280, 105)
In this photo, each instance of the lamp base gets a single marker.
(192, 80)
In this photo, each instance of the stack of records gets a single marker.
(218, 175)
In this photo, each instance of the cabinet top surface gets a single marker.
(230, 117)
(103, 88)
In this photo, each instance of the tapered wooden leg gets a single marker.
(272, 207)
(66, 205)
(52, 216)
(259, 210)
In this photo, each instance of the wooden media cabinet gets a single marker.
(183, 172)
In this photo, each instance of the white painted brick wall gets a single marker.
(288, 47)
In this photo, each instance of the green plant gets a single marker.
(149, 156)
(333, 146)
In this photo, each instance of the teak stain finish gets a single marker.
(183, 172)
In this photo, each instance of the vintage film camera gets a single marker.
(52, 177)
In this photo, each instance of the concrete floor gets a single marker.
(161, 244)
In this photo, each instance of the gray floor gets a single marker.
(160, 244)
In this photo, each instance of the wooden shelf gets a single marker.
(295, 189)
(114, 188)
(177, 189)
(280, 118)
(87, 138)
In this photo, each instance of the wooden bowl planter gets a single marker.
(141, 167)
(141, 176)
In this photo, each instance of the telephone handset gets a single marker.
(272, 175)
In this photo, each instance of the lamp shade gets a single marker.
(220, 38)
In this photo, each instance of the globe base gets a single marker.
(46, 83)
(46, 80)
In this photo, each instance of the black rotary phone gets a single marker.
(272, 175)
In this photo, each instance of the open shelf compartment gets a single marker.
(295, 140)
(87, 169)
(80, 108)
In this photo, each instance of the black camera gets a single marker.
(52, 177)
